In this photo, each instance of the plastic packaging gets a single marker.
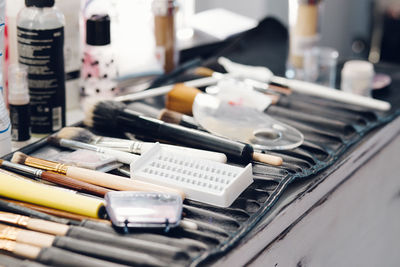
(143, 209)
(201, 180)
(357, 77)
(245, 124)
(18, 99)
(41, 31)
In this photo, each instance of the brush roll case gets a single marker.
(331, 130)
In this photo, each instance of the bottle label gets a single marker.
(4, 119)
(42, 52)
(20, 125)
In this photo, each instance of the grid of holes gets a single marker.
(191, 173)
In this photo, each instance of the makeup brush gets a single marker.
(85, 136)
(96, 236)
(164, 114)
(96, 250)
(260, 86)
(93, 177)
(16, 207)
(306, 88)
(112, 115)
(52, 256)
(55, 178)
(121, 156)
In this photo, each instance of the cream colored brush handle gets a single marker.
(117, 182)
(34, 238)
(26, 251)
(47, 227)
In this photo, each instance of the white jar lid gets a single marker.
(358, 68)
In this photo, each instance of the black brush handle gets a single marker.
(134, 123)
(105, 252)
(59, 257)
(15, 208)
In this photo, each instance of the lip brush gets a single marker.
(113, 115)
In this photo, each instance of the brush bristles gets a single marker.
(53, 140)
(171, 116)
(77, 134)
(181, 98)
(19, 157)
(202, 71)
(103, 114)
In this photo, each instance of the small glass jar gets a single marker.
(165, 33)
(304, 20)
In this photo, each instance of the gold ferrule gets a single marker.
(46, 165)
(8, 232)
(7, 245)
(14, 218)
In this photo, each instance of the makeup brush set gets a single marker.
(205, 168)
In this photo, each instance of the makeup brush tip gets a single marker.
(76, 133)
(268, 159)
(19, 157)
(53, 140)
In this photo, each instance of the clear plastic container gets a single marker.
(303, 33)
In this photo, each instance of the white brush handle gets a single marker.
(198, 153)
(121, 156)
(141, 147)
(116, 182)
(329, 93)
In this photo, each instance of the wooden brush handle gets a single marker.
(47, 227)
(35, 238)
(117, 182)
(74, 184)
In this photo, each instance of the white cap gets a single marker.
(360, 68)
(18, 84)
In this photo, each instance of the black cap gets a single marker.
(98, 30)
(39, 3)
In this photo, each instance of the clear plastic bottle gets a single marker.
(40, 35)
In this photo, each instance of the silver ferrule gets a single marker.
(77, 145)
(23, 168)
